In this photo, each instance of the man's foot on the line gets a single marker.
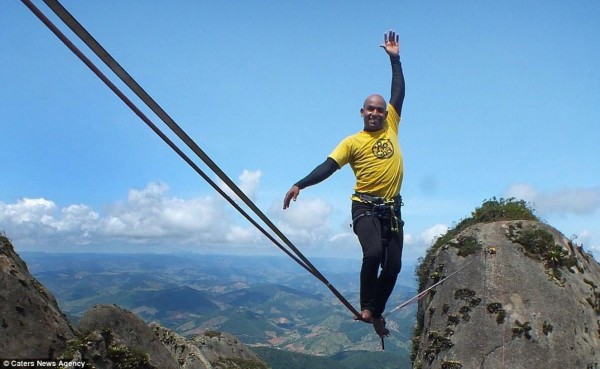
(380, 329)
(365, 316)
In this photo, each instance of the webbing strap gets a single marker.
(423, 293)
(80, 31)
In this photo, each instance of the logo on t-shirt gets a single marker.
(383, 148)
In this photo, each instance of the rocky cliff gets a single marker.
(525, 297)
(106, 337)
(32, 323)
(212, 350)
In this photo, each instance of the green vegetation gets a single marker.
(451, 365)
(437, 344)
(471, 301)
(467, 245)
(453, 320)
(464, 294)
(504, 209)
(211, 334)
(594, 299)
(445, 308)
(415, 343)
(535, 241)
(492, 210)
(539, 243)
(465, 313)
(498, 309)
(522, 329)
(547, 328)
(239, 363)
(123, 357)
(73, 346)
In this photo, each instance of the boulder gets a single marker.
(527, 298)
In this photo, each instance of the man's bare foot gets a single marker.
(365, 316)
(380, 329)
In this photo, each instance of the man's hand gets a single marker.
(391, 43)
(292, 194)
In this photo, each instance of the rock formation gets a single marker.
(212, 350)
(527, 298)
(130, 331)
(106, 337)
(32, 324)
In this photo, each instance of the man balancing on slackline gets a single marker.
(375, 157)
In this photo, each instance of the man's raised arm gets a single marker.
(391, 45)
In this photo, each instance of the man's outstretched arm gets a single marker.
(391, 45)
(319, 174)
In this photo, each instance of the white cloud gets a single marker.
(579, 201)
(305, 222)
(416, 245)
(148, 216)
(31, 220)
(249, 182)
(432, 233)
(241, 235)
(26, 210)
(426, 237)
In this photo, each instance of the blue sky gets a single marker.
(502, 100)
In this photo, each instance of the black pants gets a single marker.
(382, 248)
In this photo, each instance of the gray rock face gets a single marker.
(31, 323)
(511, 307)
(130, 330)
(187, 355)
(213, 350)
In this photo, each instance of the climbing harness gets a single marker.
(82, 33)
(388, 210)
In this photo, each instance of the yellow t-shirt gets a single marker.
(375, 158)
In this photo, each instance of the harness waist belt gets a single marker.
(375, 199)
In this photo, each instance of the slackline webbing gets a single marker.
(423, 293)
(80, 31)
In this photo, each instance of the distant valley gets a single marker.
(266, 301)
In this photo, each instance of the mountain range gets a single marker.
(265, 301)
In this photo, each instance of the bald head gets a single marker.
(374, 99)
(374, 112)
